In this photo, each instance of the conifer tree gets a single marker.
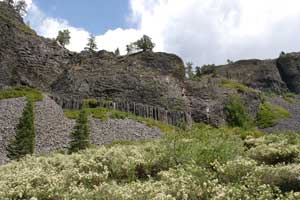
(20, 7)
(189, 70)
(80, 135)
(91, 45)
(24, 141)
(117, 52)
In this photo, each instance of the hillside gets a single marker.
(140, 128)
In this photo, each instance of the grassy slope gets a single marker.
(16, 92)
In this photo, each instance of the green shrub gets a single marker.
(275, 153)
(15, 92)
(24, 141)
(80, 135)
(235, 85)
(274, 149)
(72, 114)
(203, 146)
(286, 177)
(236, 113)
(269, 114)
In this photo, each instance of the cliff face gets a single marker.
(26, 58)
(155, 79)
(289, 68)
(259, 74)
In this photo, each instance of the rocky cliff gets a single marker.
(155, 79)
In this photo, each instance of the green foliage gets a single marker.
(15, 92)
(203, 145)
(269, 114)
(236, 86)
(145, 43)
(24, 141)
(105, 114)
(203, 163)
(91, 45)
(274, 149)
(22, 27)
(189, 70)
(63, 37)
(80, 135)
(236, 113)
(289, 97)
(21, 7)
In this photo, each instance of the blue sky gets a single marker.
(96, 16)
(201, 31)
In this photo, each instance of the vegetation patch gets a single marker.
(289, 97)
(269, 114)
(229, 84)
(24, 141)
(22, 27)
(202, 163)
(105, 114)
(15, 92)
(236, 113)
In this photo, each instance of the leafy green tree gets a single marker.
(21, 7)
(24, 141)
(63, 37)
(189, 70)
(198, 71)
(91, 45)
(80, 135)
(117, 52)
(237, 115)
(145, 43)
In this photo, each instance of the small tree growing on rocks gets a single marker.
(189, 70)
(80, 135)
(145, 43)
(91, 45)
(117, 52)
(63, 37)
(24, 141)
(21, 7)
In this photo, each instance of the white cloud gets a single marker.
(212, 31)
(203, 31)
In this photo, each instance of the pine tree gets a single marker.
(63, 37)
(198, 71)
(24, 141)
(117, 52)
(80, 135)
(91, 45)
(20, 7)
(189, 70)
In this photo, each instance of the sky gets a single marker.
(201, 31)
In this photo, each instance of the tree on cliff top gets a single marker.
(63, 37)
(21, 7)
(145, 43)
(91, 45)
(24, 141)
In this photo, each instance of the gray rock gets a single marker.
(10, 112)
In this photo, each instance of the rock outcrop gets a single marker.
(53, 129)
(289, 68)
(154, 79)
(259, 74)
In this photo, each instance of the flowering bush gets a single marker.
(204, 163)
